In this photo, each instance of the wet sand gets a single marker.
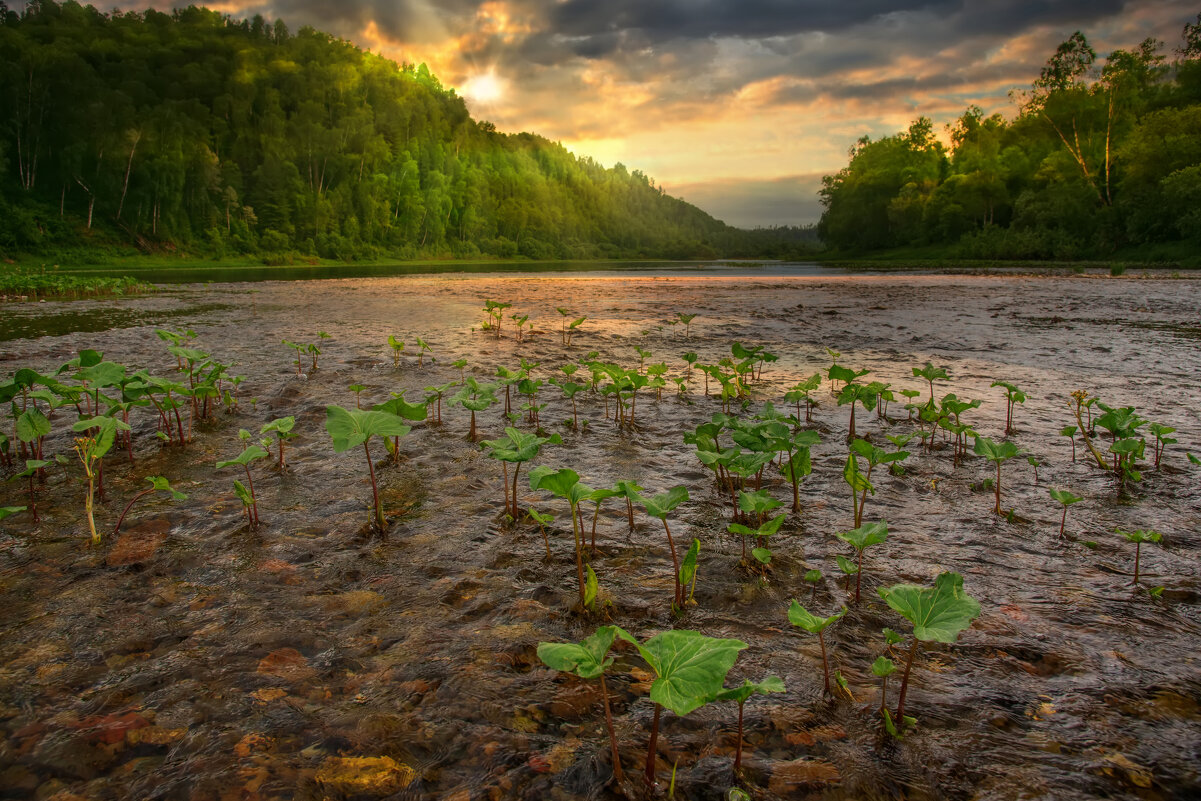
(194, 658)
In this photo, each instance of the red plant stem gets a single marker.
(254, 502)
(579, 557)
(821, 640)
(650, 748)
(630, 512)
(738, 751)
(1137, 548)
(505, 467)
(471, 434)
(379, 513)
(883, 694)
(858, 574)
(128, 437)
(33, 505)
(516, 470)
(997, 510)
(129, 506)
(675, 564)
(1063, 522)
(612, 736)
(905, 683)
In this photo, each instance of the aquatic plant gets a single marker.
(874, 456)
(515, 448)
(475, 397)
(938, 614)
(541, 519)
(91, 449)
(349, 428)
(588, 659)
(1035, 463)
(882, 668)
(157, 484)
(998, 453)
(282, 428)
(688, 569)
(566, 484)
(931, 374)
(398, 347)
(660, 506)
(1066, 498)
(249, 499)
(760, 533)
(801, 617)
(495, 311)
(296, 346)
(424, 349)
(1083, 401)
(856, 394)
(849, 568)
(859, 484)
(1013, 396)
(1070, 433)
(6, 511)
(630, 491)
(802, 393)
(32, 468)
(861, 539)
(743, 693)
(686, 319)
(690, 671)
(1138, 538)
(461, 364)
(573, 328)
(1162, 440)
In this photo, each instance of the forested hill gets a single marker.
(1101, 158)
(194, 131)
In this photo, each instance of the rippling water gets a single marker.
(194, 658)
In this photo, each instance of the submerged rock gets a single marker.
(371, 776)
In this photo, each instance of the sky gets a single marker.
(737, 106)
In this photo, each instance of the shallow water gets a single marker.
(194, 658)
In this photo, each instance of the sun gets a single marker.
(484, 87)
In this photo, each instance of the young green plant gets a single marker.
(938, 614)
(801, 617)
(349, 428)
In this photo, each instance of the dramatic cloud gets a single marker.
(737, 105)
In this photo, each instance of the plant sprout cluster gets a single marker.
(753, 455)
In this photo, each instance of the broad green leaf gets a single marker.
(351, 427)
(162, 485)
(866, 535)
(772, 684)
(660, 505)
(691, 667)
(242, 493)
(883, 666)
(280, 425)
(103, 374)
(403, 409)
(995, 451)
(105, 435)
(5, 511)
(938, 613)
(247, 456)
(762, 555)
(1142, 535)
(846, 565)
(31, 467)
(585, 659)
(801, 617)
(31, 425)
(1065, 497)
(813, 576)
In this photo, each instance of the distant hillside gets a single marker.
(194, 131)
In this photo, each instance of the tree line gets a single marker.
(1099, 158)
(198, 132)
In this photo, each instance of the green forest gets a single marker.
(1101, 159)
(193, 132)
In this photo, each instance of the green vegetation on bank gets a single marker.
(1102, 162)
(36, 283)
(195, 132)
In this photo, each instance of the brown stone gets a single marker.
(287, 664)
(138, 543)
(110, 729)
(370, 776)
(787, 777)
